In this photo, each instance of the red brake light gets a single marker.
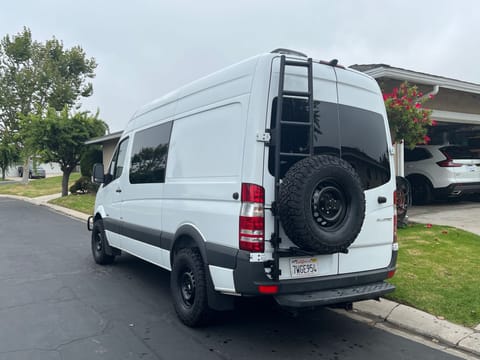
(448, 163)
(268, 289)
(251, 225)
(253, 193)
(390, 274)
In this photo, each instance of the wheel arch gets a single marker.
(188, 235)
(417, 176)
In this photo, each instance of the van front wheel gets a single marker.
(99, 243)
(189, 288)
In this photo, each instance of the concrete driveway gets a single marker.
(464, 215)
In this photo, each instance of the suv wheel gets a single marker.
(99, 244)
(322, 204)
(189, 288)
(422, 191)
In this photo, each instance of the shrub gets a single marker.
(408, 119)
(91, 156)
(84, 185)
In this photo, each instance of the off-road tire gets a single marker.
(188, 285)
(322, 204)
(99, 242)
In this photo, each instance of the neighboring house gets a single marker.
(456, 104)
(108, 143)
(50, 169)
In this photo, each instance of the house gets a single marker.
(455, 105)
(108, 143)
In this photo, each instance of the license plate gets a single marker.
(303, 267)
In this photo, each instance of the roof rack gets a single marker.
(288, 52)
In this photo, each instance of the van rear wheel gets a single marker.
(188, 284)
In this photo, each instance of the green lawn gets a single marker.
(438, 271)
(37, 187)
(82, 202)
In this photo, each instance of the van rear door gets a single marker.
(295, 139)
(365, 144)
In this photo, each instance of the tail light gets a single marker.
(448, 162)
(252, 219)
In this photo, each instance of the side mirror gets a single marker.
(98, 176)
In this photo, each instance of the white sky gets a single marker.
(145, 49)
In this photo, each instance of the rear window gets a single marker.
(417, 154)
(356, 135)
(458, 152)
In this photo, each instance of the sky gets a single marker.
(146, 48)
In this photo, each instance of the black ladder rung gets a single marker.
(296, 93)
(298, 123)
(296, 63)
(294, 154)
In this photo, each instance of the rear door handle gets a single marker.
(118, 190)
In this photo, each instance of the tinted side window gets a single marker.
(149, 154)
(417, 154)
(118, 160)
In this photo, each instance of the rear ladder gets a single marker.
(276, 141)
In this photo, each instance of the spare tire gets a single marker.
(322, 204)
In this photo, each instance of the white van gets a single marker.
(272, 177)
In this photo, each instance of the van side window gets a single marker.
(149, 154)
(118, 160)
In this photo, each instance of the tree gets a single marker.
(34, 76)
(8, 153)
(59, 136)
(408, 119)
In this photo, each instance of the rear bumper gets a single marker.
(458, 189)
(314, 291)
(335, 296)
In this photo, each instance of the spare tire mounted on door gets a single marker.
(322, 204)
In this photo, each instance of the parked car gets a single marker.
(272, 177)
(33, 173)
(441, 171)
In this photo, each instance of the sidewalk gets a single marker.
(384, 311)
(422, 323)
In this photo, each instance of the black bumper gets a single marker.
(314, 291)
(458, 189)
(335, 296)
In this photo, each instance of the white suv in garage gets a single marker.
(441, 171)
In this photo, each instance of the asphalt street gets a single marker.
(56, 303)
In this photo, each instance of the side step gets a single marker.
(334, 296)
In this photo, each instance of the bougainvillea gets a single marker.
(408, 119)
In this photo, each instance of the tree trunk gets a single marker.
(3, 173)
(65, 177)
(26, 170)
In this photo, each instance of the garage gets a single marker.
(449, 166)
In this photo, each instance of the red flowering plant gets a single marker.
(408, 119)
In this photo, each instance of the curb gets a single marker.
(422, 323)
(43, 201)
